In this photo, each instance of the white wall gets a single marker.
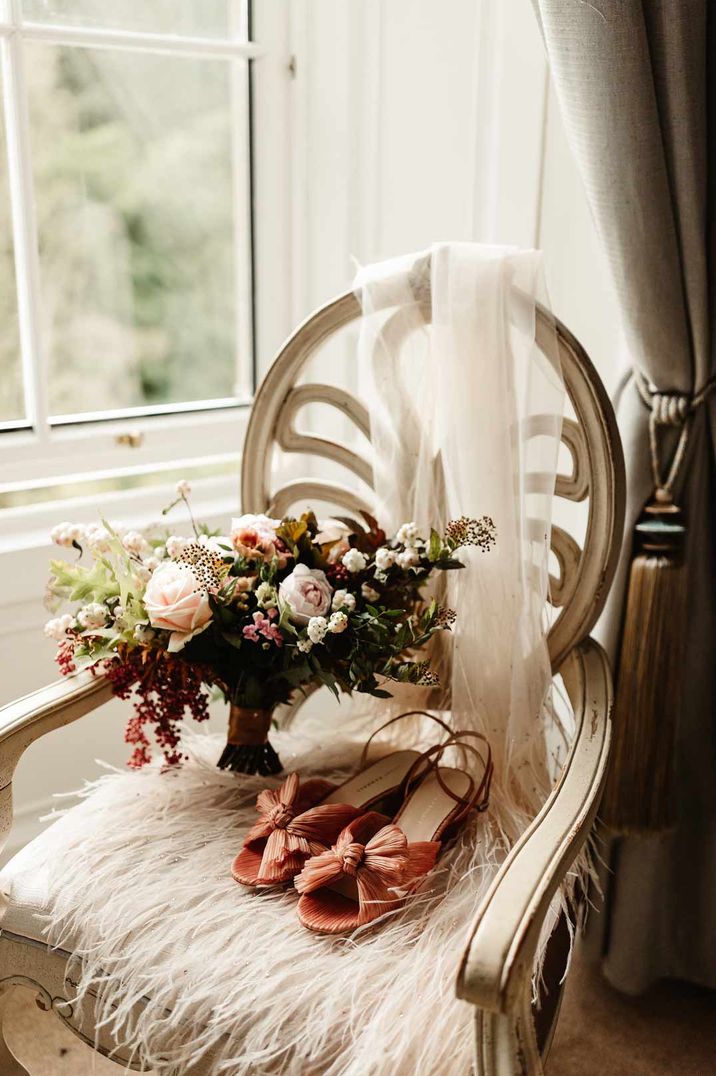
(407, 121)
(418, 121)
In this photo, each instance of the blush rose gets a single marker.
(175, 601)
(254, 538)
(306, 592)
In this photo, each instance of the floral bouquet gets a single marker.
(275, 607)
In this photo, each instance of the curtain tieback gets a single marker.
(669, 409)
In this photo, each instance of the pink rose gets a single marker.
(254, 538)
(306, 592)
(176, 601)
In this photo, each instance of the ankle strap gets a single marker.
(399, 717)
(478, 796)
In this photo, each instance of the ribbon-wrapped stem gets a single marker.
(248, 749)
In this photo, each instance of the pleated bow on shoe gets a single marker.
(293, 825)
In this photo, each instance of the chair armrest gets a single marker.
(500, 954)
(30, 717)
(27, 719)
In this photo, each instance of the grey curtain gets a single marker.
(636, 82)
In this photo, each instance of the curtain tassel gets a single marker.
(639, 795)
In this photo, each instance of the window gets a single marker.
(125, 243)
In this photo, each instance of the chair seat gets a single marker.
(221, 968)
(25, 880)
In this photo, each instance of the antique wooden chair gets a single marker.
(511, 1035)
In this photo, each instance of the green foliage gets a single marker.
(77, 583)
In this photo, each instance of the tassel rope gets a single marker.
(640, 794)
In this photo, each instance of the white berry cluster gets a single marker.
(135, 542)
(343, 599)
(319, 627)
(93, 615)
(408, 534)
(176, 545)
(354, 560)
(66, 533)
(58, 627)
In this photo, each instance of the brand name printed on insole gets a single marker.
(385, 777)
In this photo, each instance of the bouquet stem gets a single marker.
(248, 749)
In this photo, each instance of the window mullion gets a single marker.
(241, 181)
(24, 226)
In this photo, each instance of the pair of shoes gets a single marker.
(349, 861)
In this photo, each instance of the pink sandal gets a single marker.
(373, 867)
(302, 820)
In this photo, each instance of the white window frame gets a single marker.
(79, 447)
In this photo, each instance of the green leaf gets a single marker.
(291, 531)
(233, 639)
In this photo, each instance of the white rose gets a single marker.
(176, 602)
(369, 594)
(330, 530)
(407, 534)
(317, 628)
(384, 558)
(337, 623)
(306, 592)
(343, 599)
(409, 558)
(93, 615)
(354, 560)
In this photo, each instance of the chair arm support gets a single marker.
(27, 719)
(498, 961)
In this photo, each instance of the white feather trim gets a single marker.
(186, 963)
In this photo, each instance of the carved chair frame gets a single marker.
(495, 974)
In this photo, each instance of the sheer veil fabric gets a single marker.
(466, 417)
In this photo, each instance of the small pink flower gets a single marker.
(262, 626)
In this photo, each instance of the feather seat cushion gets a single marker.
(187, 966)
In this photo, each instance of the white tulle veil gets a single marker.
(466, 416)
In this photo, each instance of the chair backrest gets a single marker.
(578, 593)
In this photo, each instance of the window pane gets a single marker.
(12, 405)
(199, 18)
(133, 185)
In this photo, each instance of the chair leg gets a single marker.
(9, 1065)
(506, 1044)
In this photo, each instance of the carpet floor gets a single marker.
(671, 1031)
